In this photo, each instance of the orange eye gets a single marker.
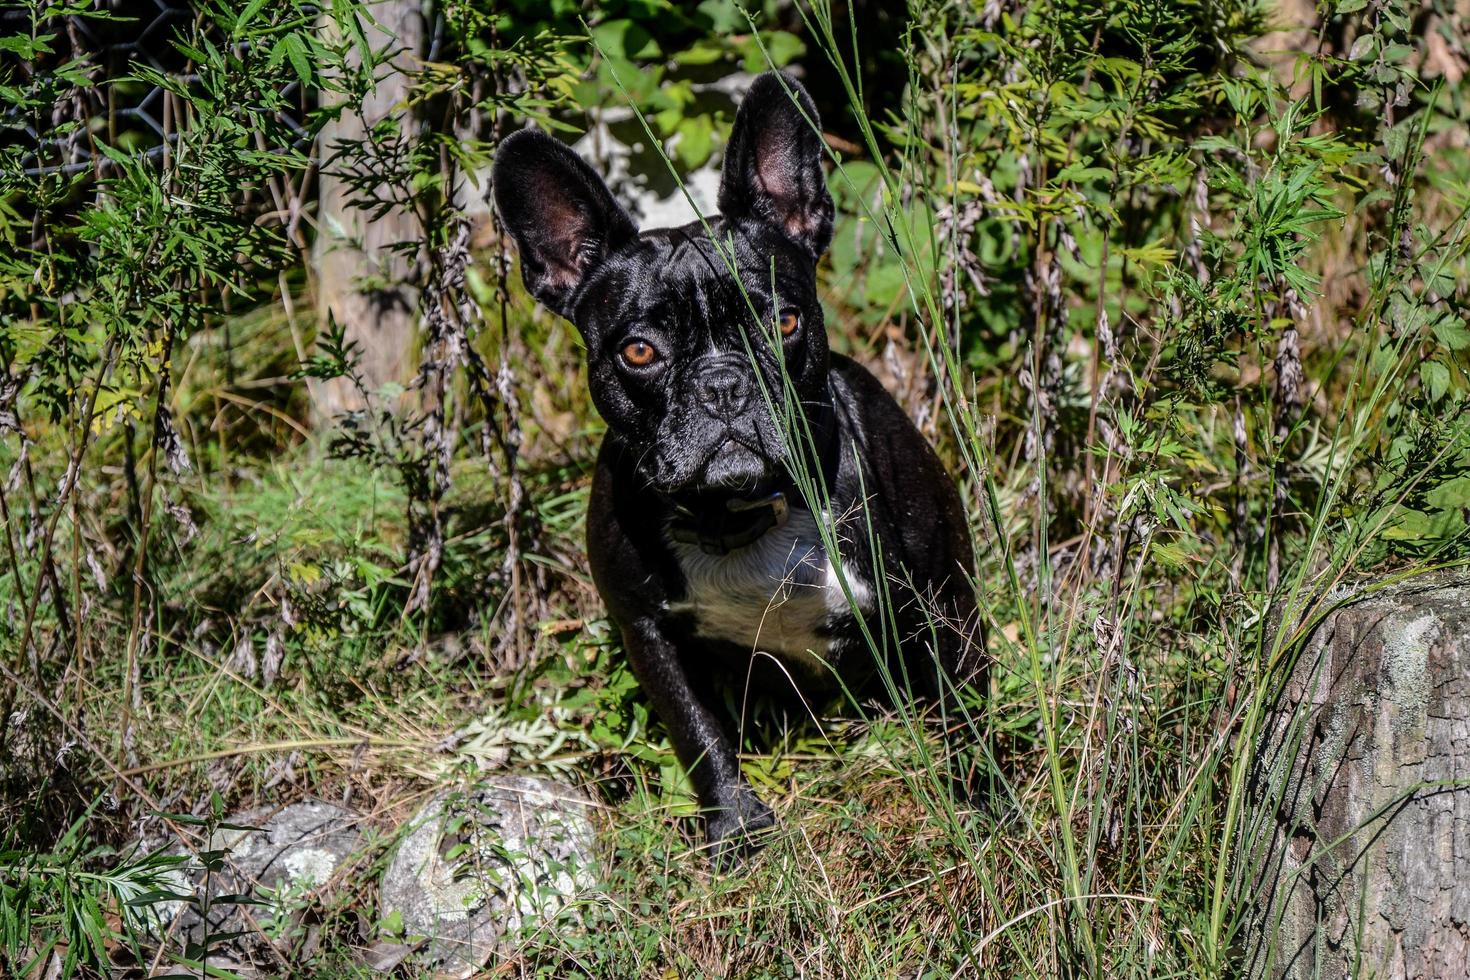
(789, 321)
(639, 353)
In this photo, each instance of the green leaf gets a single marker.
(705, 51)
(1453, 494)
(1436, 379)
(1153, 253)
(1408, 525)
(247, 15)
(724, 16)
(1364, 48)
(784, 48)
(696, 140)
(641, 83)
(624, 39)
(1080, 172)
(23, 46)
(1452, 334)
(296, 52)
(884, 283)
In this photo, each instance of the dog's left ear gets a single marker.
(773, 163)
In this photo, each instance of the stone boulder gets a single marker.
(1362, 820)
(476, 868)
(274, 860)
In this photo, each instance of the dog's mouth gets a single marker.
(734, 469)
(728, 469)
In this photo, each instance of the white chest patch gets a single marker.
(774, 595)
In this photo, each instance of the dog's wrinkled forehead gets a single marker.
(666, 272)
(679, 276)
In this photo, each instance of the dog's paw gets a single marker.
(731, 829)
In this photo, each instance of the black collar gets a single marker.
(722, 528)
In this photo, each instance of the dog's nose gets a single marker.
(724, 390)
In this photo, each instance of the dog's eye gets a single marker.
(639, 353)
(789, 322)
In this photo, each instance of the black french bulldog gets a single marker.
(709, 559)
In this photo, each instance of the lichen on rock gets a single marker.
(478, 866)
(1362, 847)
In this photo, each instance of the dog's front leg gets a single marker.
(731, 808)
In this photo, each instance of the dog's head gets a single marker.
(684, 359)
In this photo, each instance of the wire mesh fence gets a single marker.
(110, 46)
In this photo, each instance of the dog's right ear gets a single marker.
(561, 214)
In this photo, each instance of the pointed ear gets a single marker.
(561, 214)
(773, 163)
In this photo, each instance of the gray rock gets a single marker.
(1362, 820)
(278, 867)
(475, 868)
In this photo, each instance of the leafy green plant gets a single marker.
(80, 903)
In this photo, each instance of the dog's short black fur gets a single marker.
(708, 558)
